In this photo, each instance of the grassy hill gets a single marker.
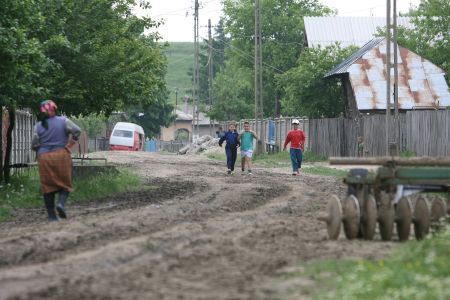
(180, 56)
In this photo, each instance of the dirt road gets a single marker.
(193, 233)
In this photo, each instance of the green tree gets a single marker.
(22, 57)
(104, 59)
(430, 37)
(152, 117)
(283, 37)
(307, 93)
(22, 64)
(93, 124)
(219, 45)
(90, 56)
(232, 93)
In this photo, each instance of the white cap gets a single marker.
(295, 121)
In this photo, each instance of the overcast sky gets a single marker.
(179, 21)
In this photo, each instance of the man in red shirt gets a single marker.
(297, 139)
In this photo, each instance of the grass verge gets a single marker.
(415, 270)
(325, 171)
(24, 189)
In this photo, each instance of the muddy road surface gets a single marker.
(192, 232)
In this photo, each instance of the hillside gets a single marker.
(180, 57)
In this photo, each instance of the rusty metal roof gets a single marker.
(421, 84)
(343, 66)
(356, 31)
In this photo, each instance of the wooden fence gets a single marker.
(22, 135)
(426, 133)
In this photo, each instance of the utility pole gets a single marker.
(388, 71)
(195, 128)
(396, 116)
(210, 74)
(259, 121)
(392, 139)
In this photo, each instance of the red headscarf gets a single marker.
(48, 107)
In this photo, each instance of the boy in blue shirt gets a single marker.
(231, 138)
(246, 139)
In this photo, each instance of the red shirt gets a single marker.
(296, 138)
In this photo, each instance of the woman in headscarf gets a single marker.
(53, 137)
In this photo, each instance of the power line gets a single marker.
(250, 56)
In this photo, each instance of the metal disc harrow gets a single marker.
(395, 197)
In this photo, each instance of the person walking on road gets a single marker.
(53, 138)
(232, 143)
(297, 139)
(246, 139)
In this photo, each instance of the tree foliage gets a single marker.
(283, 37)
(93, 124)
(232, 90)
(90, 56)
(307, 93)
(219, 45)
(431, 36)
(22, 57)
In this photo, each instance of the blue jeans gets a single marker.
(231, 156)
(296, 159)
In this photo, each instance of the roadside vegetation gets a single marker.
(414, 270)
(24, 189)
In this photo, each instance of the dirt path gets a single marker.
(193, 233)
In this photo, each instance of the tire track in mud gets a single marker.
(38, 246)
(230, 238)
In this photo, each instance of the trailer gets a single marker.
(386, 197)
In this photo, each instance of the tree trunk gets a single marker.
(12, 122)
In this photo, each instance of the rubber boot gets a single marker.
(61, 207)
(49, 200)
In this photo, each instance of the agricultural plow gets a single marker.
(397, 195)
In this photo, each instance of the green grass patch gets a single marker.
(217, 156)
(324, 171)
(278, 159)
(24, 189)
(415, 270)
(308, 156)
(282, 158)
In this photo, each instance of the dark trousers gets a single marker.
(296, 159)
(231, 157)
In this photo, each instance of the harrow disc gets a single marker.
(385, 216)
(351, 215)
(438, 209)
(369, 218)
(421, 218)
(334, 210)
(403, 218)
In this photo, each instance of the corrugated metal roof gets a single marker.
(185, 116)
(421, 84)
(343, 66)
(357, 31)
